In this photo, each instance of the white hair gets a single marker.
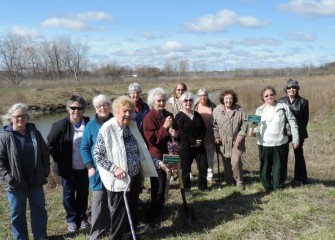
(154, 92)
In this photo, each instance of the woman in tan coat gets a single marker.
(230, 128)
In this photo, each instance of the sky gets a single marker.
(214, 34)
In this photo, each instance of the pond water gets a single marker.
(45, 122)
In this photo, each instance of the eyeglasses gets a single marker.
(160, 100)
(181, 90)
(102, 105)
(293, 87)
(17, 117)
(270, 95)
(76, 108)
(188, 100)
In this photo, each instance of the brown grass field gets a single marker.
(303, 212)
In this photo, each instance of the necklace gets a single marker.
(269, 113)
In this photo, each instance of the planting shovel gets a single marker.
(218, 158)
(127, 208)
(186, 212)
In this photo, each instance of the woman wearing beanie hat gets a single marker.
(300, 109)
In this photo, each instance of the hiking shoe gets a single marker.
(84, 224)
(72, 227)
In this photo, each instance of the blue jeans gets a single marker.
(38, 214)
(75, 196)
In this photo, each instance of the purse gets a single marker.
(287, 127)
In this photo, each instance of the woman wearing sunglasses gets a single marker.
(273, 144)
(64, 140)
(192, 147)
(300, 109)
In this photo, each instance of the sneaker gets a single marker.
(211, 181)
(84, 224)
(72, 227)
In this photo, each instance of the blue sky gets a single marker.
(216, 34)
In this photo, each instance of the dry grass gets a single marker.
(306, 212)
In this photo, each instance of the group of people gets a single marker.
(125, 142)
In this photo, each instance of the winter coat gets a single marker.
(10, 168)
(227, 129)
(60, 139)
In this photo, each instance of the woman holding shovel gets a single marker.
(159, 128)
(121, 153)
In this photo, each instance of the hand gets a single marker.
(91, 172)
(197, 143)
(238, 141)
(295, 146)
(168, 122)
(164, 167)
(217, 141)
(173, 133)
(120, 173)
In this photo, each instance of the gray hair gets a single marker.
(188, 95)
(157, 91)
(135, 87)
(103, 98)
(76, 98)
(121, 101)
(202, 90)
(291, 83)
(6, 118)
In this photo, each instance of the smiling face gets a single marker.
(269, 97)
(135, 95)
(180, 90)
(102, 109)
(160, 102)
(202, 98)
(19, 119)
(228, 101)
(123, 114)
(76, 111)
(187, 104)
(292, 91)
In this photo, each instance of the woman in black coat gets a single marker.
(192, 147)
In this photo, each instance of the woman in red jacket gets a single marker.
(159, 127)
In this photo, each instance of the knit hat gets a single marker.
(291, 83)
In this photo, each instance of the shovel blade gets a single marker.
(188, 215)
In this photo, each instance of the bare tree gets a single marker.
(75, 57)
(13, 54)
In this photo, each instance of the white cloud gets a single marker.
(172, 46)
(25, 32)
(257, 42)
(310, 8)
(76, 21)
(150, 36)
(300, 36)
(220, 22)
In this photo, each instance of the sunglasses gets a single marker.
(181, 90)
(77, 108)
(293, 87)
(270, 95)
(188, 100)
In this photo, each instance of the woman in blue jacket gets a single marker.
(100, 217)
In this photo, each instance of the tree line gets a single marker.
(23, 58)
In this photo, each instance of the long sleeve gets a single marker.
(100, 155)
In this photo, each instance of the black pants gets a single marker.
(157, 196)
(118, 211)
(187, 156)
(300, 171)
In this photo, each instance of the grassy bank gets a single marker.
(303, 212)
